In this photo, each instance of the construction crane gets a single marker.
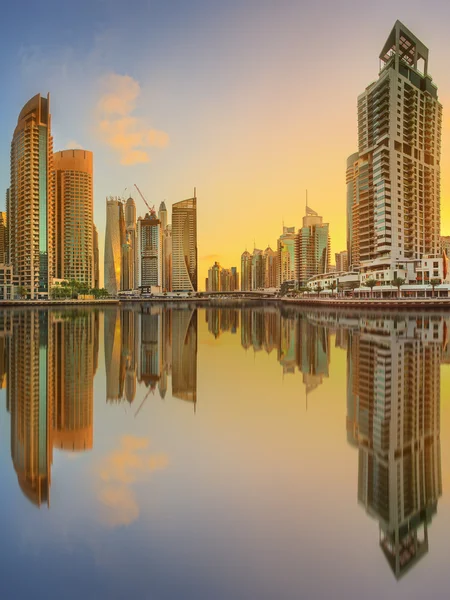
(150, 208)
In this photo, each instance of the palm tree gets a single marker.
(319, 288)
(22, 291)
(370, 283)
(332, 287)
(434, 283)
(398, 282)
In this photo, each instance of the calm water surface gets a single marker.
(164, 453)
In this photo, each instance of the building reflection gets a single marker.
(153, 346)
(393, 419)
(51, 358)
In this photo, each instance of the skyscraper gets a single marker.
(96, 257)
(166, 232)
(246, 271)
(286, 255)
(114, 240)
(149, 251)
(31, 202)
(312, 247)
(258, 269)
(130, 227)
(395, 211)
(270, 268)
(74, 206)
(341, 261)
(184, 245)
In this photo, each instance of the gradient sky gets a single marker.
(251, 101)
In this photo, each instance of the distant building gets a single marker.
(258, 269)
(184, 245)
(270, 268)
(114, 241)
(74, 209)
(341, 261)
(246, 271)
(286, 257)
(312, 247)
(149, 252)
(96, 257)
(130, 230)
(214, 278)
(166, 231)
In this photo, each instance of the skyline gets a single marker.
(203, 113)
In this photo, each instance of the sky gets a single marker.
(250, 101)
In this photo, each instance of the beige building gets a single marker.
(31, 205)
(96, 257)
(341, 261)
(393, 184)
(74, 206)
(246, 271)
(3, 238)
(184, 245)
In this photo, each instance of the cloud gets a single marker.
(125, 133)
(210, 257)
(73, 145)
(118, 471)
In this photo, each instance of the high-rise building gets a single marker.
(234, 285)
(31, 211)
(341, 261)
(128, 262)
(130, 228)
(114, 240)
(166, 231)
(258, 269)
(312, 247)
(214, 278)
(184, 245)
(286, 258)
(3, 238)
(74, 211)
(270, 268)
(149, 252)
(394, 183)
(246, 271)
(96, 257)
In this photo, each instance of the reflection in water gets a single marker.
(48, 361)
(50, 391)
(393, 412)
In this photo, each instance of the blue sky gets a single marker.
(250, 101)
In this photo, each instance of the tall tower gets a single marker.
(246, 271)
(166, 232)
(31, 202)
(312, 247)
(114, 240)
(396, 178)
(286, 255)
(149, 251)
(184, 245)
(130, 226)
(96, 257)
(74, 208)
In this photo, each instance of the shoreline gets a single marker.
(378, 303)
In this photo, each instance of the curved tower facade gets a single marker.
(31, 200)
(184, 246)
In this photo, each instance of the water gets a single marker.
(166, 453)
